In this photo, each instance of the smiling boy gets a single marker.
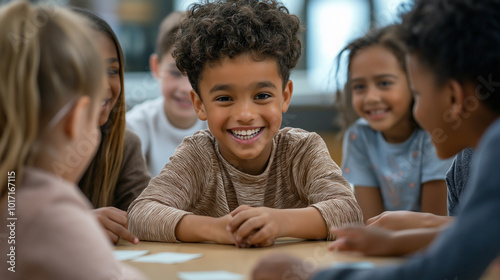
(244, 181)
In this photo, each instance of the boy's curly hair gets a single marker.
(219, 29)
(458, 39)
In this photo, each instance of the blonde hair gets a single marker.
(100, 180)
(47, 59)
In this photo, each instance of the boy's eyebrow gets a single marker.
(263, 84)
(220, 88)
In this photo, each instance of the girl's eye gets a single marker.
(262, 96)
(357, 87)
(222, 98)
(385, 83)
(112, 72)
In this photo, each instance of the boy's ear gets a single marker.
(287, 96)
(457, 98)
(78, 117)
(153, 65)
(198, 105)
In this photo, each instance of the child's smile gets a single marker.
(175, 89)
(242, 100)
(247, 136)
(376, 114)
(380, 93)
(182, 101)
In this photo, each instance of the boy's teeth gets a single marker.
(245, 134)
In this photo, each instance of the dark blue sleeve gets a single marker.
(470, 244)
(456, 179)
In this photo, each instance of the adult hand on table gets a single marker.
(375, 241)
(370, 241)
(115, 223)
(400, 220)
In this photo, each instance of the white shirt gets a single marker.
(158, 136)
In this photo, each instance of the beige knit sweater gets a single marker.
(198, 180)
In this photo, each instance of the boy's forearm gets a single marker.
(159, 226)
(194, 228)
(306, 223)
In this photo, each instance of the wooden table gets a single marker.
(242, 261)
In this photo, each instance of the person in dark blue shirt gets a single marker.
(453, 64)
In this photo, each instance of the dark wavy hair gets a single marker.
(100, 179)
(384, 37)
(219, 29)
(460, 40)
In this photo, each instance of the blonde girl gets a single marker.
(51, 85)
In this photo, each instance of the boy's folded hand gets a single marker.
(254, 226)
(219, 232)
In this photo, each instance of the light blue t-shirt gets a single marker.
(399, 170)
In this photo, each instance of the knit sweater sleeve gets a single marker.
(167, 199)
(319, 181)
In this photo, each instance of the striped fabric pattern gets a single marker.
(198, 180)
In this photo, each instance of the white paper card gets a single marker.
(210, 275)
(354, 265)
(168, 257)
(123, 255)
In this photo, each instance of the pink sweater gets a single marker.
(56, 236)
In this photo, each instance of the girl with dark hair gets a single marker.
(388, 158)
(118, 173)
